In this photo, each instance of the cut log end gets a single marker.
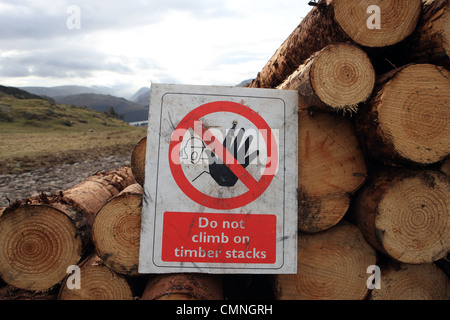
(342, 76)
(332, 265)
(409, 118)
(37, 244)
(331, 161)
(193, 286)
(417, 117)
(98, 282)
(412, 282)
(331, 167)
(316, 214)
(359, 19)
(406, 215)
(116, 231)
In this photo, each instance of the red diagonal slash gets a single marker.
(222, 153)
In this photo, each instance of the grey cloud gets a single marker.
(61, 63)
(27, 20)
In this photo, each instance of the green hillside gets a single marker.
(35, 129)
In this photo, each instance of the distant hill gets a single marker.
(144, 97)
(60, 91)
(33, 111)
(243, 83)
(19, 93)
(137, 96)
(131, 111)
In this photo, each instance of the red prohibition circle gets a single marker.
(222, 203)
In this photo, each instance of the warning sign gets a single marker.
(221, 179)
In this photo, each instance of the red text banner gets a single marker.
(219, 238)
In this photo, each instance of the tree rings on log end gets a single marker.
(98, 282)
(37, 244)
(414, 115)
(116, 231)
(406, 215)
(397, 20)
(342, 76)
(332, 265)
(412, 282)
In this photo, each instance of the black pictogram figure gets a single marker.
(219, 170)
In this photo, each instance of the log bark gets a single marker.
(331, 167)
(184, 287)
(332, 265)
(138, 161)
(116, 231)
(407, 121)
(338, 21)
(12, 293)
(405, 214)
(97, 282)
(431, 41)
(338, 77)
(412, 282)
(41, 236)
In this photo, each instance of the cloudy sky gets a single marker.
(129, 44)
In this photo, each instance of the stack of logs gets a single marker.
(83, 244)
(374, 139)
(374, 136)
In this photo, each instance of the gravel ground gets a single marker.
(54, 179)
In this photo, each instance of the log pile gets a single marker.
(374, 142)
(374, 185)
(95, 227)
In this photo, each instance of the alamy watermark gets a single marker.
(374, 21)
(74, 280)
(73, 22)
(374, 281)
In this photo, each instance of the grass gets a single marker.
(32, 128)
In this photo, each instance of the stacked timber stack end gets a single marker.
(41, 236)
(374, 144)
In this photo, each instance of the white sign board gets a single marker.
(220, 192)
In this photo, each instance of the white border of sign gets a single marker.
(157, 169)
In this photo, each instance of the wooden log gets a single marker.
(41, 236)
(97, 282)
(412, 282)
(116, 231)
(339, 21)
(9, 292)
(332, 265)
(138, 161)
(445, 167)
(191, 286)
(331, 167)
(407, 121)
(430, 42)
(338, 77)
(405, 214)
(398, 19)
